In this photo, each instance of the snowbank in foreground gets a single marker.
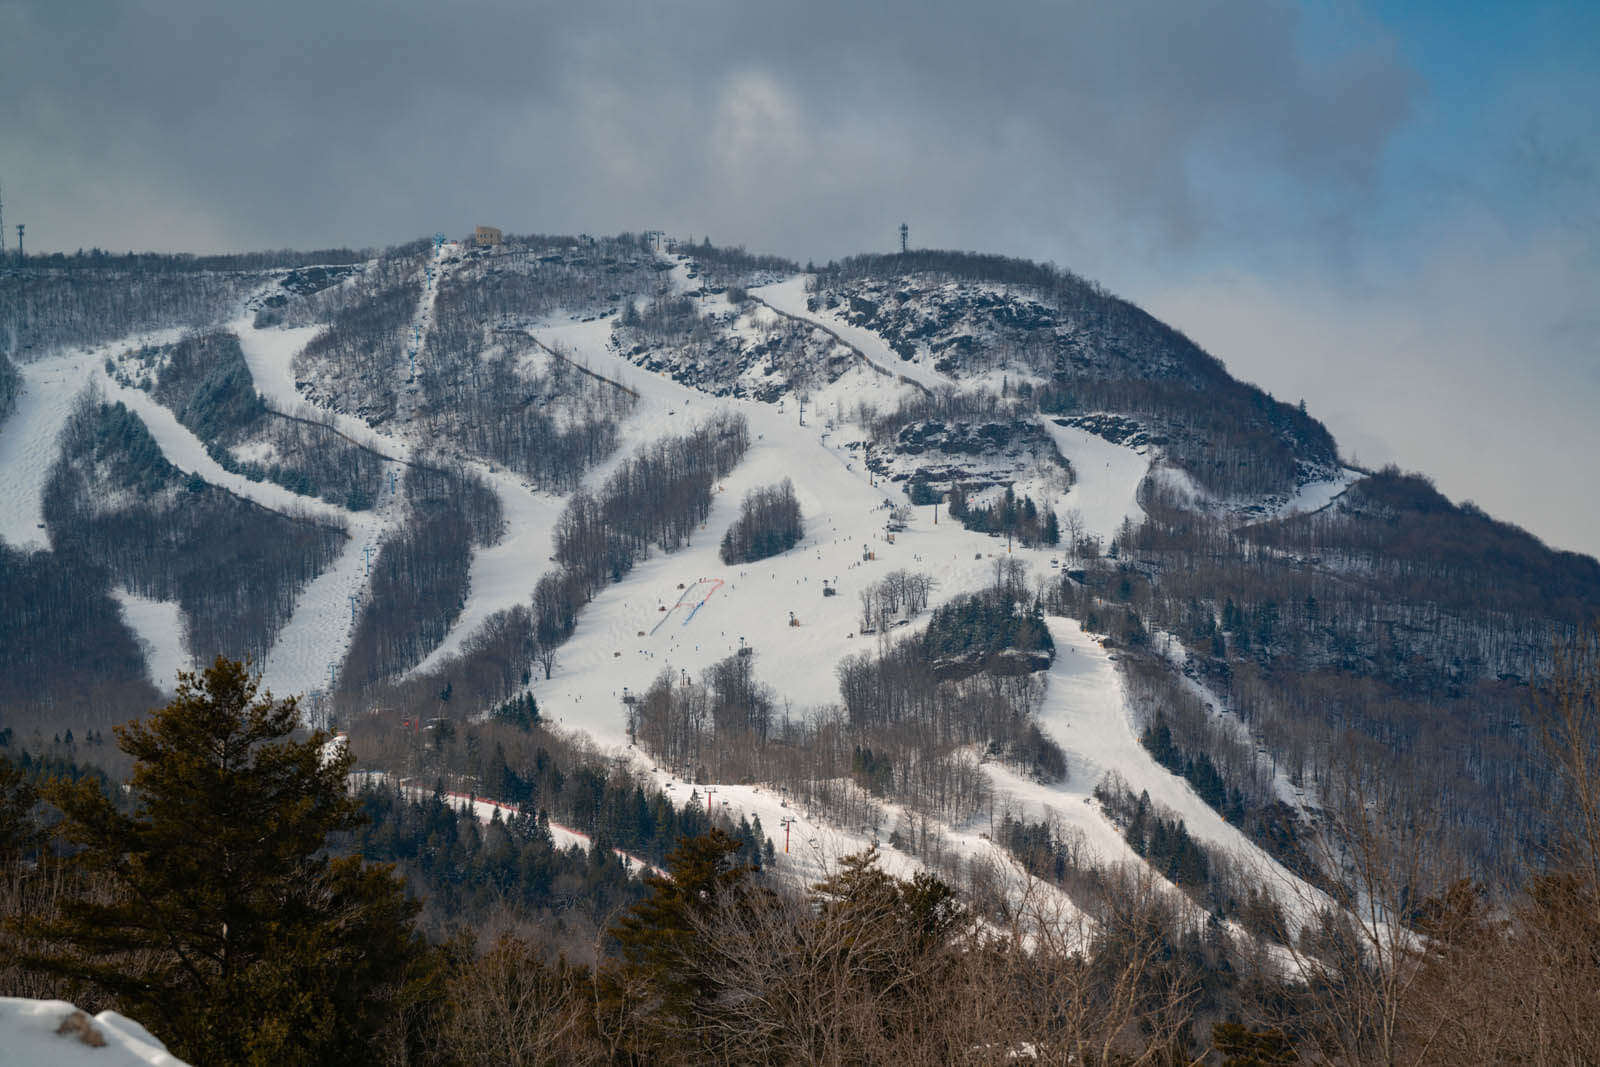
(53, 1033)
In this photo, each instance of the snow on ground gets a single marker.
(503, 576)
(188, 453)
(28, 442)
(1314, 496)
(810, 847)
(1086, 712)
(269, 353)
(563, 837)
(845, 516)
(158, 625)
(789, 297)
(1107, 489)
(317, 635)
(53, 1033)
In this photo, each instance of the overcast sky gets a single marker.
(1389, 209)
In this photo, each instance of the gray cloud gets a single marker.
(1198, 156)
(1043, 127)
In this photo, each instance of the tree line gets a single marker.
(769, 524)
(420, 576)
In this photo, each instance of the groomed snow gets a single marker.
(158, 625)
(1107, 489)
(29, 442)
(845, 515)
(629, 635)
(1314, 496)
(53, 1033)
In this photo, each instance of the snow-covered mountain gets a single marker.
(368, 475)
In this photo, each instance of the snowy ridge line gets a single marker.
(565, 831)
(575, 365)
(862, 356)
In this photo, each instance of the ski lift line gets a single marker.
(579, 367)
(862, 356)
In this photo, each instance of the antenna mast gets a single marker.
(2, 229)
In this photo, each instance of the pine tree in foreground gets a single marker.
(230, 932)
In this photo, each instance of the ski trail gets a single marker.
(29, 442)
(789, 298)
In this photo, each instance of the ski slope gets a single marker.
(846, 515)
(29, 445)
(789, 297)
(158, 626)
(1314, 496)
(679, 613)
(1108, 475)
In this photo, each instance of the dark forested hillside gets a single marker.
(236, 567)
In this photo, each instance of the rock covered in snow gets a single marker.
(53, 1033)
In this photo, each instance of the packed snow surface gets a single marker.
(1107, 489)
(678, 613)
(1314, 496)
(158, 625)
(28, 442)
(53, 1033)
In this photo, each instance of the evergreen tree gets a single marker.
(659, 984)
(231, 932)
(18, 834)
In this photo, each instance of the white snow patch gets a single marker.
(262, 452)
(29, 442)
(1314, 496)
(158, 624)
(1086, 712)
(53, 1033)
(1108, 477)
